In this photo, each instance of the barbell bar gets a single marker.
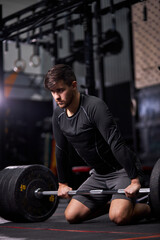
(39, 193)
(29, 193)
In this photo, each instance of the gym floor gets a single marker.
(56, 227)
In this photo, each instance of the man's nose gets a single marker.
(57, 96)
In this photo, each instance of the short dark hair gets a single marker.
(57, 73)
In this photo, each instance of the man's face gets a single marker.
(63, 94)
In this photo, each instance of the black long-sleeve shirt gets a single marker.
(95, 136)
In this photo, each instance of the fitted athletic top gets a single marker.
(95, 136)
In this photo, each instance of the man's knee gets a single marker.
(121, 212)
(70, 216)
(119, 218)
(76, 212)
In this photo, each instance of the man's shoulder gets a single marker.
(90, 101)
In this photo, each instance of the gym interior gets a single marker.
(113, 48)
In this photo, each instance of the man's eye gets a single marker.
(60, 90)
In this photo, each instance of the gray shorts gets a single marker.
(114, 180)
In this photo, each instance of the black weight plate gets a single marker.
(8, 177)
(155, 189)
(5, 177)
(22, 205)
(113, 42)
(11, 210)
(2, 183)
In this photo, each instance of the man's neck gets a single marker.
(72, 108)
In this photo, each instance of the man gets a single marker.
(86, 123)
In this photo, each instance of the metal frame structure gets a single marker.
(1, 97)
(22, 27)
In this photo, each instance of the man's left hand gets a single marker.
(133, 189)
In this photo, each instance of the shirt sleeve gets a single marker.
(108, 128)
(61, 151)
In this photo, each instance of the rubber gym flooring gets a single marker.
(99, 228)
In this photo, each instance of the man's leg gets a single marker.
(123, 211)
(77, 212)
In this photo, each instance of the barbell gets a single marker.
(29, 193)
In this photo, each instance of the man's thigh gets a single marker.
(115, 180)
(93, 202)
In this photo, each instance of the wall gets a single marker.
(146, 20)
(117, 66)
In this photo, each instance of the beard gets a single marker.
(67, 102)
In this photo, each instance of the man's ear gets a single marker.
(74, 84)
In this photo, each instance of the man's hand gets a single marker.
(132, 190)
(63, 190)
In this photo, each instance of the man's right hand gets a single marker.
(63, 190)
